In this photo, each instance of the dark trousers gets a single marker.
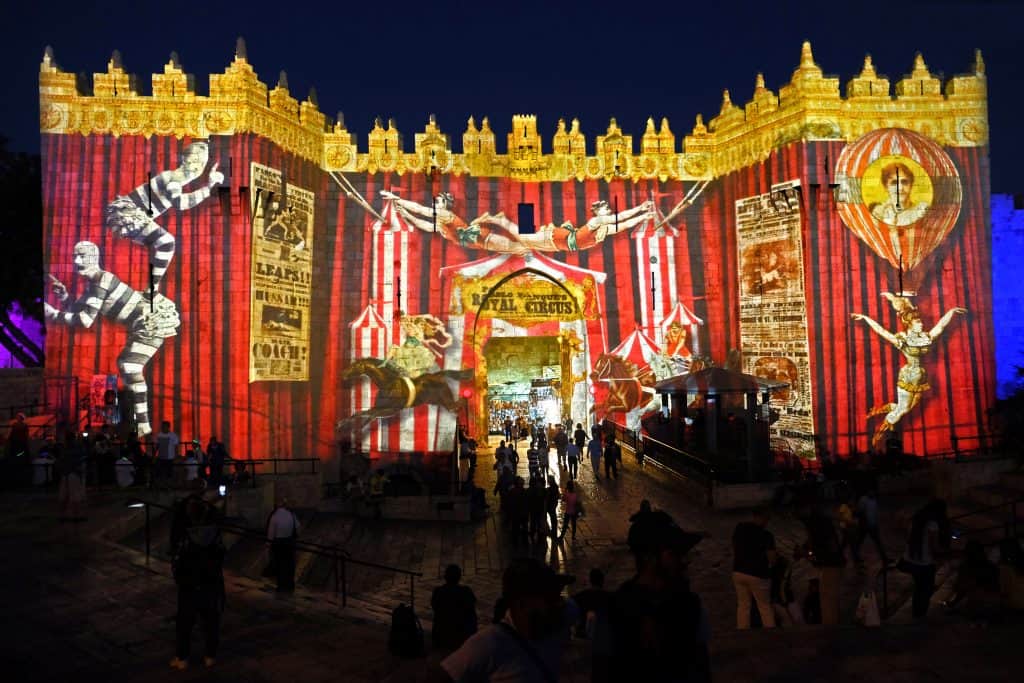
(553, 522)
(204, 604)
(924, 586)
(536, 521)
(574, 468)
(566, 520)
(864, 532)
(283, 552)
(611, 468)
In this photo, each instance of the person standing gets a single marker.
(594, 451)
(929, 537)
(572, 457)
(612, 457)
(454, 609)
(659, 627)
(166, 451)
(124, 471)
(199, 573)
(218, 456)
(536, 498)
(17, 438)
(70, 468)
(508, 428)
(751, 574)
(594, 603)
(826, 555)
(282, 532)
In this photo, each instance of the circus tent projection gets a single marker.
(243, 265)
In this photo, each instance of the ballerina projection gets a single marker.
(914, 344)
(498, 233)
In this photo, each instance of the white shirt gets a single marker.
(191, 468)
(166, 445)
(282, 524)
(124, 471)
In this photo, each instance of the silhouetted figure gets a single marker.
(929, 537)
(199, 573)
(454, 608)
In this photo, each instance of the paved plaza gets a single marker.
(79, 603)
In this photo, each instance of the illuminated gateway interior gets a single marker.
(241, 265)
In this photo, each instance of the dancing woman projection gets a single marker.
(914, 344)
(106, 295)
(567, 237)
(133, 215)
(452, 227)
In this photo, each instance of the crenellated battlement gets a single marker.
(809, 107)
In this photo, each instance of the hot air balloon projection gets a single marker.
(899, 192)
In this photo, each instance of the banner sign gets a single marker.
(282, 276)
(773, 311)
(527, 300)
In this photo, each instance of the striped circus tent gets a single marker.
(688, 319)
(369, 339)
(637, 348)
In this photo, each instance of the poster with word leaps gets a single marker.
(282, 275)
(773, 311)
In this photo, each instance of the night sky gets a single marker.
(592, 60)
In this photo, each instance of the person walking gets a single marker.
(517, 511)
(282, 532)
(572, 457)
(561, 442)
(579, 436)
(199, 573)
(594, 603)
(751, 574)
(218, 456)
(570, 509)
(867, 516)
(824, 550)
(612, 457)
(928, 538)
(536, 499)
(454, 607)
(594, 450)
(551, 498)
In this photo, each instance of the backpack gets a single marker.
(406, 638)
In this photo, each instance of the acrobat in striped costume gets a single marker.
(133, 215)
(147, 325)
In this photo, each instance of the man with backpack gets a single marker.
(198, 564)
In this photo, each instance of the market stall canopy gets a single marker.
(717, 381)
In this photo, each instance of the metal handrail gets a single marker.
(341, 558)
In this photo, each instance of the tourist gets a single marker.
(527, 643)
(17, 438)
(594, 450)
(543, 456)
(70, 468)
(594, 604)
(867, 516)
(201, 458)
(976, 588)
(191, 466)
(166, 451)
(132, 448)
(659, 628)
(823, 548)
(536, 504)
(378, 480)
(551, 497)
(217, 455)
(612, 457)
(579, 437)
(928, 539)
(784, 605)
(572, 457)
(454, 609)
(848, 529)
(561, 442)
(517, 511)
(571, 509)
(199, 574)
(751, 573)
(282, 532)
(642, 513)
(508, 430)
(533, 460)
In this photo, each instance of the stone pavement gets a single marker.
(79, 604)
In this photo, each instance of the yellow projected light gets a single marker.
(897, 190)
